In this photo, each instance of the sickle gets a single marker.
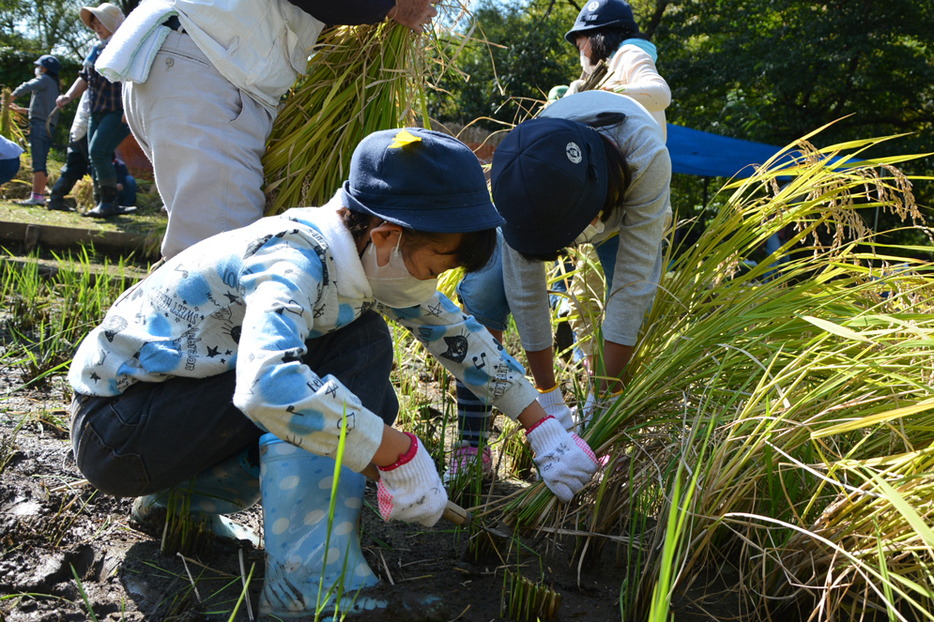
(452, 512)
(48, 121)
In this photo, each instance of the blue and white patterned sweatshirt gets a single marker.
(248, 300)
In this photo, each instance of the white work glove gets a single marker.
(564, 459)
(411, 490)
(553, 403)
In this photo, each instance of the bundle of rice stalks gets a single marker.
(524, 600)
(778, 417)
(362, 79)
(11, 124)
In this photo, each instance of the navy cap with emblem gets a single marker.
(50, 63)
(549, 182)
(598, 14)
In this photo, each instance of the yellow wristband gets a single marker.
(547, 390)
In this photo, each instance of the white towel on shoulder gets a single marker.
(129, 55)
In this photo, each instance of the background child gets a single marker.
(593, 166)
(605, 30)
(44, 89)
(257, 346)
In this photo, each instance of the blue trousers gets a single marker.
(8, 169)
(483, 293)
(127, 196)
(106, 130)
(76, 165)
(159, 434)
(39, 143)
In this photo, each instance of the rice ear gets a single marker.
(361, 79)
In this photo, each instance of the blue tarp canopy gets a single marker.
(694, 152)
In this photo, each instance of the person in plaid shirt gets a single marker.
(107, 127)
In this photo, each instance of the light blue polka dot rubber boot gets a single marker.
(229, 486)
(306, 571)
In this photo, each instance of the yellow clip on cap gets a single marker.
(403, 138)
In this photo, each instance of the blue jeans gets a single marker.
(483, 293)
(39, 143)
(157, 435)
(106, 130)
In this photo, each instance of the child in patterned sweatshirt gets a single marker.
(263, 346)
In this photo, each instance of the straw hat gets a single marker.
(109, 15)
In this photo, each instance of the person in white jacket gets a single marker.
(605, 30)
(202, 80)
(77, 163)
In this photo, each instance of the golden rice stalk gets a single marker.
(796, 396)
(361, 79)
(10, 124)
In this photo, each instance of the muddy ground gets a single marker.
(54, 527)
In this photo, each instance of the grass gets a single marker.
(48, 314)
(8, 444)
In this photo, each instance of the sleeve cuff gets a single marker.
(517, 399)
(406, 457)
(363, 441)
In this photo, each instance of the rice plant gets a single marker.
(778, 416)
(49, 312)
(360, 79)
(523, 599)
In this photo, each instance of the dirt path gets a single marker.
(51, 523)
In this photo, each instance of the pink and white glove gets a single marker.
(410, 490)
(553, 403)
(564, 459)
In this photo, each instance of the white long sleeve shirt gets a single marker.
(252, 300)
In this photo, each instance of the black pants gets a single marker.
(157, 435)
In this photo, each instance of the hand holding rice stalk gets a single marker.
(362, 79)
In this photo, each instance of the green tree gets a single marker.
(774, 70)
(514, 55)
(44, 26)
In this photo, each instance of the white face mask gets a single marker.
(393, 284)
(590, 233)
(586, 65)
(38, 71)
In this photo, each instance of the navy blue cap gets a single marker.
(598, 14)
(49, 62)
(420, 179)
(549, 182)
